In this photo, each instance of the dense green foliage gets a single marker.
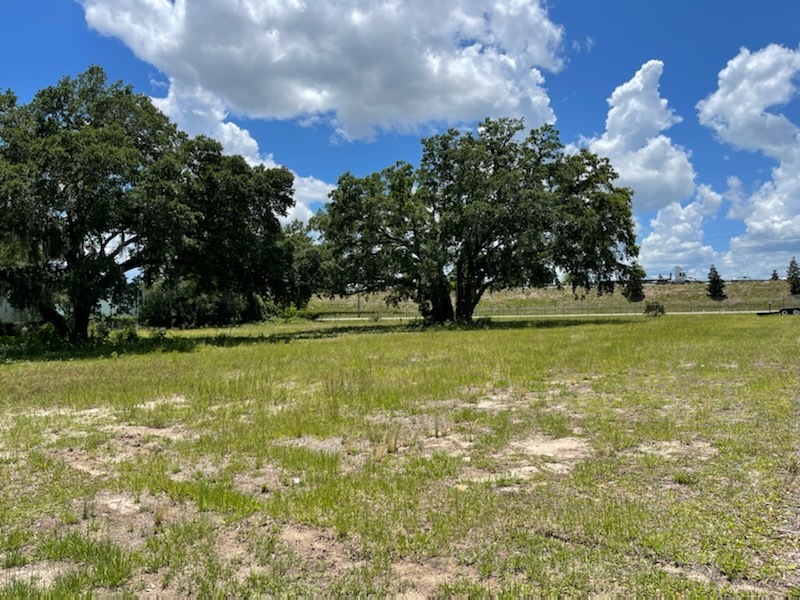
(634, 288)
(482, 212)
(73, 219)
(96, 185)
(716, 285)
(171, 303)
(793, 277)
(654, 308)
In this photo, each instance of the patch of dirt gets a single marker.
(709, 577)
(174, 400)
(697, 450)
(554, 455)
(496, 400)
(423, 433)
(128, 520)
(131, 440)
(522, 473)
(318, 546)
(127, 442)
(334, 445)
(202, 468)
(564, 409)
(41, 574)
(454, 444)
(582, 386)
(423, 579)
(83, 461)
(565, 449)
(262, 481)
(88, 416)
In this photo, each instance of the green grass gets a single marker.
(692, 297)
(574, 456)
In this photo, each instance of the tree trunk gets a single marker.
(51, 315)
(80, 326)
(442, 304)
(464, 307)
(435, 303)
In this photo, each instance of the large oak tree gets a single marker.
(483, 211)
(96, 185)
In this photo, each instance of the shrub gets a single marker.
(653, 308)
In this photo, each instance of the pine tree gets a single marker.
(793, 277)
(775, 276)
(716, 285)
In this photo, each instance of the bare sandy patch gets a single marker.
(87, 416)
(422, 580)
(698, 450)
(710, 577)
(565, 449)
(506, 477)
(201, 468)
(577, 386)
(453, 444)
(130, 441)
(83, 461)
(265, 480)
(354, 452)
(41, 574)
(174, 400)
(128, 520)
(334, 445)
(318, 546)
(554, 455)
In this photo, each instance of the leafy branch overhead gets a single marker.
(482, 212)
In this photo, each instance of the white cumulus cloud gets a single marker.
(659, 171)
(739, 113)
(363, 65)
(676, 236)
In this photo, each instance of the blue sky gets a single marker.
(696, 103)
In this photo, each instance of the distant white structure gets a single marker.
(680, 276)
(9, 314)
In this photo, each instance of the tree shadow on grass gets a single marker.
(18, 348)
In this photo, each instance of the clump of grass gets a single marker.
(686, 478)
(107, 565)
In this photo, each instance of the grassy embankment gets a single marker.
(692, 297)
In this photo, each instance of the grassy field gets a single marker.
(619, 455)
(691, 297)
